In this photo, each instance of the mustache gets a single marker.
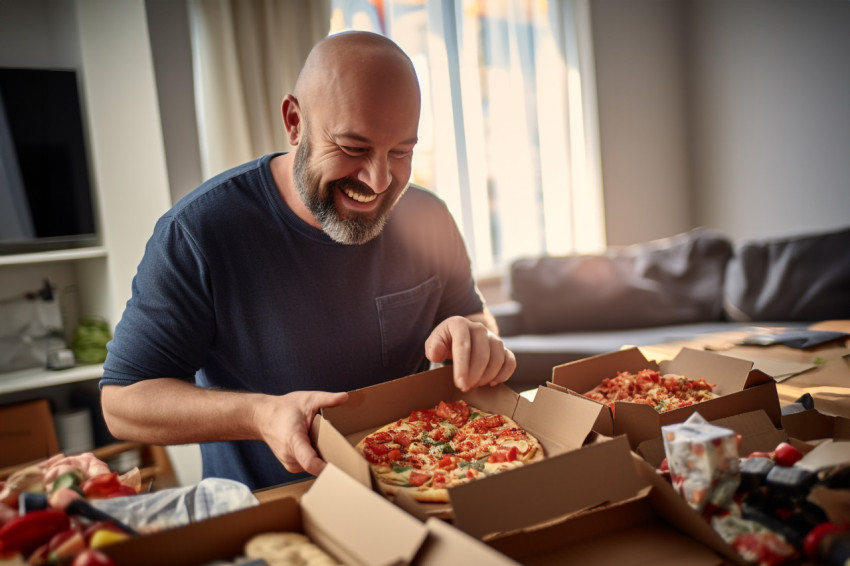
(353, 184)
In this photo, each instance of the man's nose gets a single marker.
(377, 174)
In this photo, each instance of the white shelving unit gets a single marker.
(37, 378)
(53, 256)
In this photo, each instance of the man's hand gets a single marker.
(479, 357)
(285, 421)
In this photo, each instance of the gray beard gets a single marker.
(355, 230)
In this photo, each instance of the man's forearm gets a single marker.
(170, 411)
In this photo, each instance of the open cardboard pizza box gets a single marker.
(654, 526)
(740, 390)
(811, 424)
(560, 422)
(331, 513)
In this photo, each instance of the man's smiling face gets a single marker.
(356, 114)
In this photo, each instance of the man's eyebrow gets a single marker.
(363, 139)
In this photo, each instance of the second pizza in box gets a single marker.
(641, 396)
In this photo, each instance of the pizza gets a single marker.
(649, 387)
(436, 448)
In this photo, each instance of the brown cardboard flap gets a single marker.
(642, 422)
(218, 538)
(628, 533)
(727, 373)
(333, 447)
(449, 545)
(583, 375)
(563, 420)
(378, 405)
(814, 425)
(546, 490)
(826, 455)
(27, 432)
(673, 508)
(366, 530)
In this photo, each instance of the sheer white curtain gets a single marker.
(246, 57)
(509, 133)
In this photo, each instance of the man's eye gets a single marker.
(353, 150)
(401, 154)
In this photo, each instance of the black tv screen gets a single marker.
(45, 188)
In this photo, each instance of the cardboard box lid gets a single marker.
(28, 433)
(625, 533)
(642, 422)
(221, 537)
(331, 513)
(675, 510)
(814, 425)
(448, 545)
(334, 509)
(560, 485)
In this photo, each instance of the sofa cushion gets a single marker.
(674, 280)
(804, 278)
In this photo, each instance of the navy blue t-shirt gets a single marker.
(236, 292)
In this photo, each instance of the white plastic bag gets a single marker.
(158, 510)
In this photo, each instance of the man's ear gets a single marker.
(291, 112)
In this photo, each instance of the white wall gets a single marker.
(771, 110)
(723, 113)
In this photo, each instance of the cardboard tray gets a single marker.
(741, 390)
(561, 422)
(331, 513)
(655, 526)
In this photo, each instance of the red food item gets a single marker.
(28, 532)
(92, 557)
(812, 540)
(101, 485)
(786, 455)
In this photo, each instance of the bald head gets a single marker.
(355, 65)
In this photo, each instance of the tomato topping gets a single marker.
(379, 449)
(456, 412)
(380, 438)
(499, 456)
(402, 437)
(425, 415)
(418, 478)
(447, 463)
(394, 454)
(486, 423)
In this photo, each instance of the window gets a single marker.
(508, 134)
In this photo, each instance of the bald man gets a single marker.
(277, 286)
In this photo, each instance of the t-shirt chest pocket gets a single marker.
(406, 319)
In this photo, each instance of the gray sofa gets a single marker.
(566, 308)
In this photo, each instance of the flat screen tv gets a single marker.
(45, 189)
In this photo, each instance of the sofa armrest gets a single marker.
(508, 317)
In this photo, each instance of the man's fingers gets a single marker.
(305, 456)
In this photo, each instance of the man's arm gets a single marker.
(479, 357)
(171, 411)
